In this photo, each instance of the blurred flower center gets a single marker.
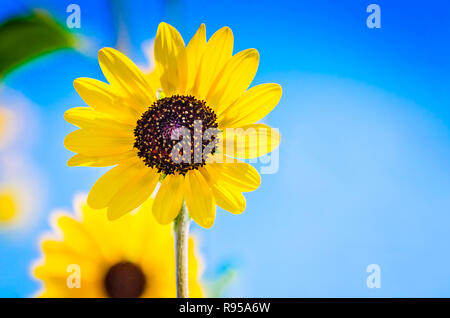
(8, 207)
(170, 135)
(125, 280)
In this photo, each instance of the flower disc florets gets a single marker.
(174, 134)
(125, 280)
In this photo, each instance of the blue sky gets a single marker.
(365, 154)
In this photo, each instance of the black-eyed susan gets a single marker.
(89, 256)
(131, 123)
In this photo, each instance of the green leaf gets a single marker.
(24, 38)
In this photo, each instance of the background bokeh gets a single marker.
(364, 175)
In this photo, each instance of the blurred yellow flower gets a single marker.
(93, 257)
(9, 206)
(129, 127)
(21, 189)
(18, 204)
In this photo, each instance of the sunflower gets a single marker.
(133, 123)
(127, 258)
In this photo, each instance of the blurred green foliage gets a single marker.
(215, 288)
(24, 38)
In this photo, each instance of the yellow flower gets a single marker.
(9, 206)
(128, 127)
(132, 257)
(18, 205)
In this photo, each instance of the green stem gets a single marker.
(181, 228)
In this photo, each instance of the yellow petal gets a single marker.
(153, 250)
(58, 266)
(240, 175)
(134, 229)
(235, 78)
(107, 186)
(169, 199)
(252, 106)
(217, 52)
(105, 233)
(199, 199)
(170, 56)
(153, 79)
(79, 160)
(57, 288)
(133, 194)
(80, 250)
(92, 144)
(228, 198)
(89, 119)
(101, 97)
(226, 195)
(194, 51)
(76, 237)
(125, 76)
(250, 141)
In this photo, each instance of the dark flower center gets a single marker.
(176, 134)
(125, 280)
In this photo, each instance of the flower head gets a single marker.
(174, 126)
(88, 256)
(9, 206)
